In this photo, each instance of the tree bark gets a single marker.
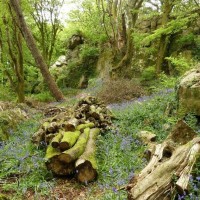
(164, 40)
(68, 140)
(132, 15)
(73, 154)
(86, 165)
(57, 94)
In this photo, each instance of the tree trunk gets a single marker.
(132, 18)
(164, 40)
(57, 94)
(170, 166)
(20, 68)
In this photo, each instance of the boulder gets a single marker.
(61, 61)
(188, 92)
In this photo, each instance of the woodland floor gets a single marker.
(119, 154)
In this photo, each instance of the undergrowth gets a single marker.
(121, 154)
(22, 168)
(119, 151)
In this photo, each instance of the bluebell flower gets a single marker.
(180, 197)
(198, 178)
(114, 189)
(111, 171)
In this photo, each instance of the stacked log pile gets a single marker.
(91, 109)
(70, 138)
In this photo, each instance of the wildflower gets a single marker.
(198, 178)
(111, 171)
(131, 174)
(114, 189)
(180, 197)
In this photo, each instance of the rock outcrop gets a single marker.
(78, 64)
(189, 92)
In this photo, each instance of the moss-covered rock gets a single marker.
(189, 92)
(3, 197)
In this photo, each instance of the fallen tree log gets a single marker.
(86, 165)
(170, 166)
(81, 127)
(56, 140)
(89, 112)
(68, 140)
(55, 165)
(77, 150)
(59, 168)
(70, 125)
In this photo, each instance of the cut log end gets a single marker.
(65, 158)
(64, 146)
(85, 173)
(59, 168)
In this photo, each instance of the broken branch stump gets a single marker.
(175, 157)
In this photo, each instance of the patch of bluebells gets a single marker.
(126, 143)
(120, 157)
(21, 158)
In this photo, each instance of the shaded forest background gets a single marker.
(141, 41)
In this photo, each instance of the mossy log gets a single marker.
(86, 165)
(171, 160)
(81, 127)
(55, 165)
(50, 127)
(56, 140)
(70, 125)
(45, 126)
(68, 140)
(51, 152)
(77, 150)
(53, 127)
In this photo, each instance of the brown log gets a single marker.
(70, 125)
(56, 140)
(59, 168)
(86, 165)
(173, 158)
(72, 154)
(38, 137)
(52, 127)
(55, 165)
